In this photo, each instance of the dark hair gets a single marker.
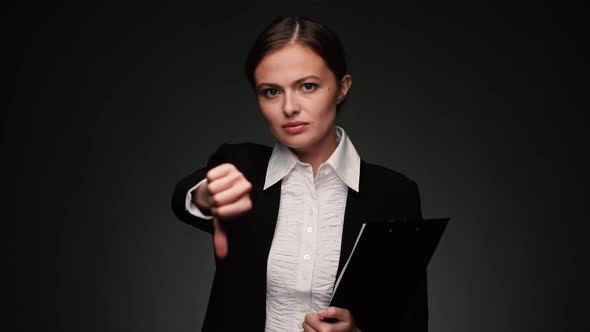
(304, 31)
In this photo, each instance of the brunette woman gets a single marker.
(284, 219)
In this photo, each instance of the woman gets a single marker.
(284, 219)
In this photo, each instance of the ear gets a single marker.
(345, 84)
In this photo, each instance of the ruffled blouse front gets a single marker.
(304, 256)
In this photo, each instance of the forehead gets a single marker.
(289, 64)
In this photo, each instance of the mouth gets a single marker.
(295, 127)
(294, 124)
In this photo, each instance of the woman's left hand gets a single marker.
(331, 319)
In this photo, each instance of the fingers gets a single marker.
(242, 205)
(335, 312)
(313, 321)
(219, 171)
(331, 319)
(219, 239)
(307, 327)
(224, 182)
(231, 194)
(228, 190)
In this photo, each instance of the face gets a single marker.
(297, 94)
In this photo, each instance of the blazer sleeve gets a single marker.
(185, 184)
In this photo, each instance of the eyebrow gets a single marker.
(297, 82)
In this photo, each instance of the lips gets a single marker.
(295, 127)
(294, 124)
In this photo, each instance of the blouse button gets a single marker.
(309, 229)
(306, 257)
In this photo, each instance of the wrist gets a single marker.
(200, 198)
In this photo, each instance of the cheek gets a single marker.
(326, 105)
(268, 112)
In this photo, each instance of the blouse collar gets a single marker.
(345, 160)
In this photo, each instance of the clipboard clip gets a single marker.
(405, 221)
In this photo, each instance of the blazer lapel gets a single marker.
(267, 211)
(265, 208)
(264, 215)
(352, 223)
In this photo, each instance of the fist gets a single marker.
(226, 194)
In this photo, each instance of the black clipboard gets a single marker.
(388, 253)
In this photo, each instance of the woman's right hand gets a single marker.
(225, 193)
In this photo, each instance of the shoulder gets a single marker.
(389, 192)
(250, 158)
(245, 151)
(377, 175)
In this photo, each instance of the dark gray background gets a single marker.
(481, 104)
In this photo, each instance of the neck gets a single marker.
(319, 153)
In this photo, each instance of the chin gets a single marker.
(303, 141)
(299, 142)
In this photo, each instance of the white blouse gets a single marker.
(304, 256)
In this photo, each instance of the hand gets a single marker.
(342, 321)
(225, 194)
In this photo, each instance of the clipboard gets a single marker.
(394, 251)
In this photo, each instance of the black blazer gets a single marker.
(388, 299)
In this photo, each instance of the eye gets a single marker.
(309, 87)
(269, 93)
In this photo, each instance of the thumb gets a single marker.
(219, 239)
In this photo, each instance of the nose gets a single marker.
(290, 104)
